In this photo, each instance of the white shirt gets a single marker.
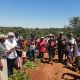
(72, 41)
(9, 47)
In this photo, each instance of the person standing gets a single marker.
(51, 48)
(61, 46)
(24, 49)
(32, 47)
(11, 45)
(42, 47)
(3, 60)
(71, 42)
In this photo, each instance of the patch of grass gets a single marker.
(31, 64)
(19, 75)
(22, 74)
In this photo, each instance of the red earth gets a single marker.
(57, 71)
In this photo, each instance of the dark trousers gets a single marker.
(51, 54)
(41, 54)
(11, 64)
(60, 54)
(31, 54)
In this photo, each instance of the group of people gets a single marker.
(12, 53)
(15, 50)
(67, 47)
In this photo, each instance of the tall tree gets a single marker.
(74, 23)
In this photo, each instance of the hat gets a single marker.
(2, 36)
(50, 34)
(42, 37)
(61, 32)
(10, 34)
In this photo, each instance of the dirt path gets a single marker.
(57, 71)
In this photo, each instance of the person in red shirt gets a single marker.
(42, 47)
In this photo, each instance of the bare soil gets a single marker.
(57, 71)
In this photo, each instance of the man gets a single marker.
(61, 46)
(10, 44)
(3, 61)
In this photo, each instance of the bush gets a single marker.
(22, 74)
(19, 75)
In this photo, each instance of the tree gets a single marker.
(74, 23)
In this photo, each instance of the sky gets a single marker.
(38, 13)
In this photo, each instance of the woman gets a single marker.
(51, 48)
(42, 47)
(3, 60)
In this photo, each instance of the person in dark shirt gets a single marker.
(61, 46)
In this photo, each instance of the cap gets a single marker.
(50, 34)
(42, 37)
(10, 34)
(2, 36)
(61, 32)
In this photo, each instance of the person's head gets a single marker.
(78, 40)
(32, 39)
(70, 35)
(11, 35)
(2, 38)
(42, 38)
(16, 34)
(60, 34)
(51, 36)
(21, 38)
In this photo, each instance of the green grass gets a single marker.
(22, 74)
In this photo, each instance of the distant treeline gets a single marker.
(73, 26)
(38, 31)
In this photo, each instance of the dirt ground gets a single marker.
(57, 71)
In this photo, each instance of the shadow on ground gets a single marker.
(75, 77)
